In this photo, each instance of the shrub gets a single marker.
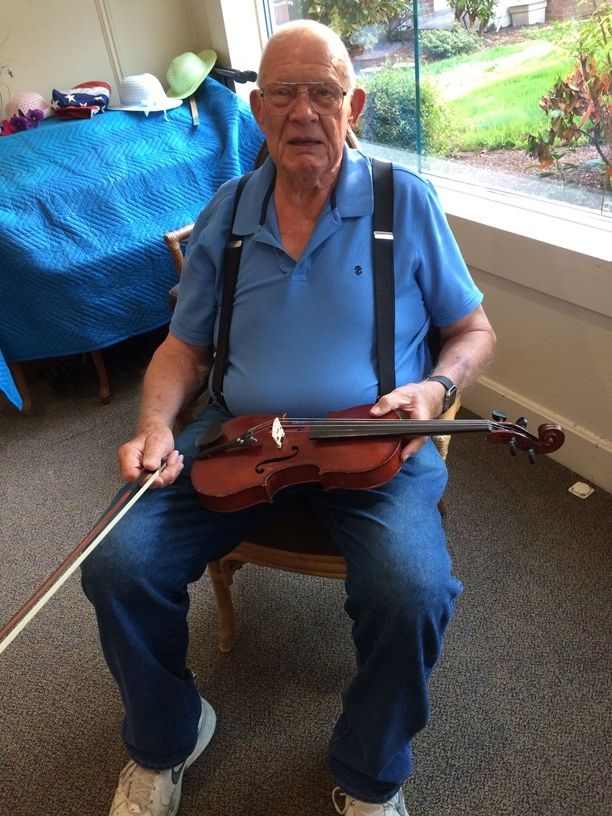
(444, 43)
(579, 107)
(473, 14)
(390, 115)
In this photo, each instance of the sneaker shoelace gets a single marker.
(337, 793)
(139, 784)
(340, 808)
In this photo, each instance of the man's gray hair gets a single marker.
(310, 28)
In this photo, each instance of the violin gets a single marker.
(247, 459)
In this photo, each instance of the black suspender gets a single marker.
(384, 282)
(384, 278)
(231, 264)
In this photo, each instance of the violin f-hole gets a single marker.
(260, 467)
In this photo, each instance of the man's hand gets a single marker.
(467, 345)
(174, 375)
(146, 452)
(414, 401)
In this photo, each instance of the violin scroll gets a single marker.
(550, 436)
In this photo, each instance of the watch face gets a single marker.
(451, 396)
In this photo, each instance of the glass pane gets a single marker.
(517, 101)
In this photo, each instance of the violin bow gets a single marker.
(125, 500)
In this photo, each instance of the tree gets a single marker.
(347, 17)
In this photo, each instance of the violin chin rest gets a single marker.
(209, 435)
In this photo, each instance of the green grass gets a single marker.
(500, 103)
(485, 55)
(500, 114)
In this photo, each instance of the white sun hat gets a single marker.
(143, 92)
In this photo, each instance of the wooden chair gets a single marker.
(19, 372)
(294, 541)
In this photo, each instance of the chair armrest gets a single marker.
(442, 441)
(173, 240)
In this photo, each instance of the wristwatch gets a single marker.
(451, 390)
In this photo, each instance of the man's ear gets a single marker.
(358, 98)
(256, 105)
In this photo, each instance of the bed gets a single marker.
(83, 208)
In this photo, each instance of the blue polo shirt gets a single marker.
(302, 338)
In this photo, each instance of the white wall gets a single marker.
(548, 293)
(56, 43)
(235, 29)
(51, 43)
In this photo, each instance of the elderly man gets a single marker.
(302, 342)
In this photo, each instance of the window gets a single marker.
(461, 100)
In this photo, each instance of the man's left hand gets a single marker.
(414, 401)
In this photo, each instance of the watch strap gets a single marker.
(451, 390)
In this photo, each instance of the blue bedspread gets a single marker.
(7, 384)
(83, 207)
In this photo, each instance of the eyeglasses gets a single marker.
(325, 97)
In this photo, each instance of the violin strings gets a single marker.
(395, 423)
(340, 424)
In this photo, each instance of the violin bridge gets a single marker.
(277, 433)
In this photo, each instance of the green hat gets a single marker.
(188, 71)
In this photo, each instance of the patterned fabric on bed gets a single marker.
(83, 208)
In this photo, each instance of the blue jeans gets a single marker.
(400, 597)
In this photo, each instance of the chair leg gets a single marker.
(221, 574)
(104, 386)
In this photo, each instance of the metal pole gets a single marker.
(417, 83)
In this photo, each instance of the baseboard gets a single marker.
(588, 455)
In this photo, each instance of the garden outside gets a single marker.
(524, 65)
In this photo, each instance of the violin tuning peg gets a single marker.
(499, 416)
(531, 456)
(512, 446)
(522, 422)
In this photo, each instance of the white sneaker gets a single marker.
(143, 792)
(353, 807)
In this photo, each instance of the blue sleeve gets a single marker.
(448, 291)
(193, 320)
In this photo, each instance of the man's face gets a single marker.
(303, 143)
